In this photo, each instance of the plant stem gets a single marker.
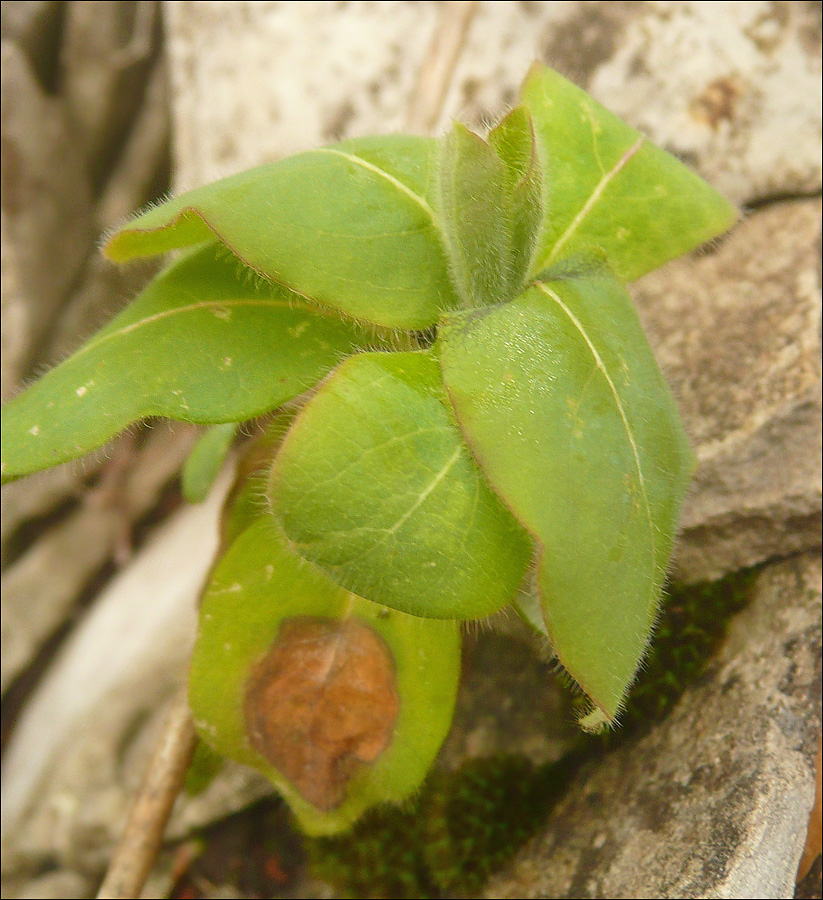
(143, 835)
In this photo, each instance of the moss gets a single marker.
(475, 819)
(691, 626)
(463, 826)
(380, 857)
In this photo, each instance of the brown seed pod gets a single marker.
(322, 703)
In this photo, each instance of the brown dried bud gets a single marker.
(322, 703)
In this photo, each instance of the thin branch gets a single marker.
(134, 858)
(427, 100)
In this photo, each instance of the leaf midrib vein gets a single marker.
(383, 534)
(618, 402)
(591, 202)
(166, 313)
(359, 161)
(421, 499)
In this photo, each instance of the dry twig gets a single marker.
(426, 104)
(134, 858)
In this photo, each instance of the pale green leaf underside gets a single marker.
(375, 484)
(204, 342)
(472, 194)
(607, 187)
(490, 202)
(257, 585)
(563, 405)
(205, 460)
(474, 204)
(514, 141)
(349, 226)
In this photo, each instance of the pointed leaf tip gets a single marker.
(560, 398)
(595, 721)
(611, 188)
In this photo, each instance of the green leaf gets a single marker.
(205, 766)
(607, 187)
(349, 226)
(260, 595)
(247, 499)
(205, 460)
(471, 197)
(374, 484)
(561, 400)
(204, 342)
(514, 142)
(490, 203)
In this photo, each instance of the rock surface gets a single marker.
(252, 82)
(53, 886)
(107, 53)
(74, 162)
(737, 332)
(733, 89)
(508, 700)
(47, 197)
(33, 607)
(715, 801)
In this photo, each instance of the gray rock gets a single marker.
(35, 602)
(53, 886)
(107, 53)
(15, 340)
(35, 26)
(76, 755)
(143, 157)
(732, 88)
(715, 801)
(46, 196)
(236, 103)
(737, 333)
(27, 500)
(508, 699)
